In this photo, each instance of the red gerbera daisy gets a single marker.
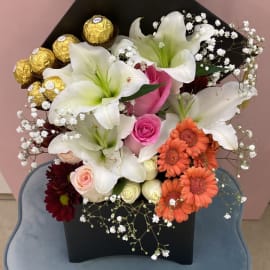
(194, 137)
(199, 187)
(171, 205)
(60, 196)
(172, 158)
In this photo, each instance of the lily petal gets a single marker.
(183, 67)
(64, 73)
(215, 104)
(131, 168)
(108, 115)
(105, 179)
(79, 97)
(125, 78)
(224, 134)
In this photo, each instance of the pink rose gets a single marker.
(69, 158)
(153, 101)
(146, 131)
(82, 179)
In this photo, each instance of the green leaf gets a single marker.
(119, 186)
(145, 89)
(201, 71)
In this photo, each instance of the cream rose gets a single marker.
(82, 180)
(151, 190)
(130, 192)
(151, 168)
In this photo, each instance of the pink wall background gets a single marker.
(25, 24)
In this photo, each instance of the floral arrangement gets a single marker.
(136, 121)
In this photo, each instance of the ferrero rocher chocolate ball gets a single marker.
(35, 94)
(53, 86)
(98, 30)
(40, 59)
(23, 72)
(61, 47)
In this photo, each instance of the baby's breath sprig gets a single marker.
(122, 220)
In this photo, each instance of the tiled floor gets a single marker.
(256, 234)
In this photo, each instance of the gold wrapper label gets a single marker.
(98, 30)
(53, 86)
(23, 72)
(40, 59)
(61, 47)
(35, 94)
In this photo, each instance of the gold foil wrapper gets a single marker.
(35, 95)
(53, 86)
(40, 59)
(61, 47)
(23, 72)
(98, 30)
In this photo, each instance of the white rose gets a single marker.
(151, 190)
(151, 168)
(130, 192)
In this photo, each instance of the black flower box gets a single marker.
(84, 243)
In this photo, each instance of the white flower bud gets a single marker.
(151, 169)
(130, 192)
(151, 190)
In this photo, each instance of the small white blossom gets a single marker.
(189, 26)
(243, 199)
(121, 229)
(217, 22)
(82, 219)
(155, 219)
(234, 35)
(221, 52)
(154, 257)
(198, 57)
(227, 216)
(45, 105)
(165, 253)
(112, 229)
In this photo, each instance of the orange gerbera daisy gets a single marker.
(194, 137)
(171, 205)
(172, 157)
(199, 187)
(208, 158)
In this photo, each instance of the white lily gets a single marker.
(95, 82)
(170, 49)
(103, 150)
(212, 107)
